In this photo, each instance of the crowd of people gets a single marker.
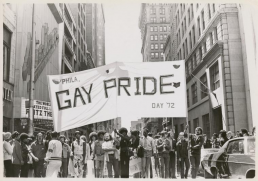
(53, 155)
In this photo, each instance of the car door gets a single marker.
(235, 165)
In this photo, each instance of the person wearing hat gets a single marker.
(163, 147)
(98, 154)
(195, 145)
(39, 150)
(17, 159)
(90, 162)
(66, 151)
(125, 153)
(78, 155)
(25, 155)
(8, 151)
(182, 154)
(149, 149)
(54, 156)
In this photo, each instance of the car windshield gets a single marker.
(250, 146)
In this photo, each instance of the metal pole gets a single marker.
(31, 98)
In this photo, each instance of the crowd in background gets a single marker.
(52, 155)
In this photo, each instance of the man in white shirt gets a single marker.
(149, 148)
(54, 156)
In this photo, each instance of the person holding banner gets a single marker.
(111, 155)
(98, 155)
(149, 148)
(78, 155)
(195, 146)
(163, 147)
(172, 155)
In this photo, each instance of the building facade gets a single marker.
(95, 36)
(154, 24)
(9, 48)
(207, 37)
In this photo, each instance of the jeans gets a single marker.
(112, 162)
(172, 164)
(53, 168)
(184, 161)
(8, 168)
(146, 166)
(99, 164)
(195, 162)
(39, 169)
(64, 167)
(124, 162)
(164, 165)
(25, 170)
(16, 170)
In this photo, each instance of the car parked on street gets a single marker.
(236, 159)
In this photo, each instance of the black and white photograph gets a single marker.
(129, 90)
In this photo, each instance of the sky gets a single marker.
(123, 37)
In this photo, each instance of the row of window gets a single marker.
(161, 28)
(157, 55)
(161, 20)
(7, 94)
(215, 83)
(161, 37)
(153, 11)
(156, 46)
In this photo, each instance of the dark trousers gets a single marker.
(172, 164)
(8, 168)
(25, 170)
(39, 169)
(195, 162)
(16, 170)
(112, 162)
(184, 162)
(124, 162)
(64, 167)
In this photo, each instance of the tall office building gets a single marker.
(154, 23)
(207, 37)
(95, 33)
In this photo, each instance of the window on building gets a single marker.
(203, 21)
(204, 47)
(6, 54)
(156, 37)
(162, 10)
(151, 28)
(79, 20)
(164, 28)
(200, 53)
(186, 48)
(165, 37)
(156, 55)
(213, 8)
(179, 34)
(209, 11)
(190, 38)
(151, 37)
(189, 17)
(79, 7)
(162, 20)
(79, 37)
(152, 55)
(199, 26)
(193, 32)
(181, 9)
(215, 80)
(197, 6)
(81, 43)
(182, 127)
(161, 46)
(161, 55)
(211, 39)
(161, 37)
(176, 22)
(155, 28)
(153, 10)
(194, 93)
(215, 34)
(194, 61)
(188, 99)
(180, 54)
(152, 46)
(153, 20)
(185, 23)
(196, 123)
(79, 57)
(156, 46)
(192, 11)
(206, 125)
(160, 28)
(182, 27)
(190, 68)
(204, 90)
(190, 128)
(183, 51)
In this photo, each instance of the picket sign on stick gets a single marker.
(149, 89)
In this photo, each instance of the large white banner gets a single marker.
(149, 89)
